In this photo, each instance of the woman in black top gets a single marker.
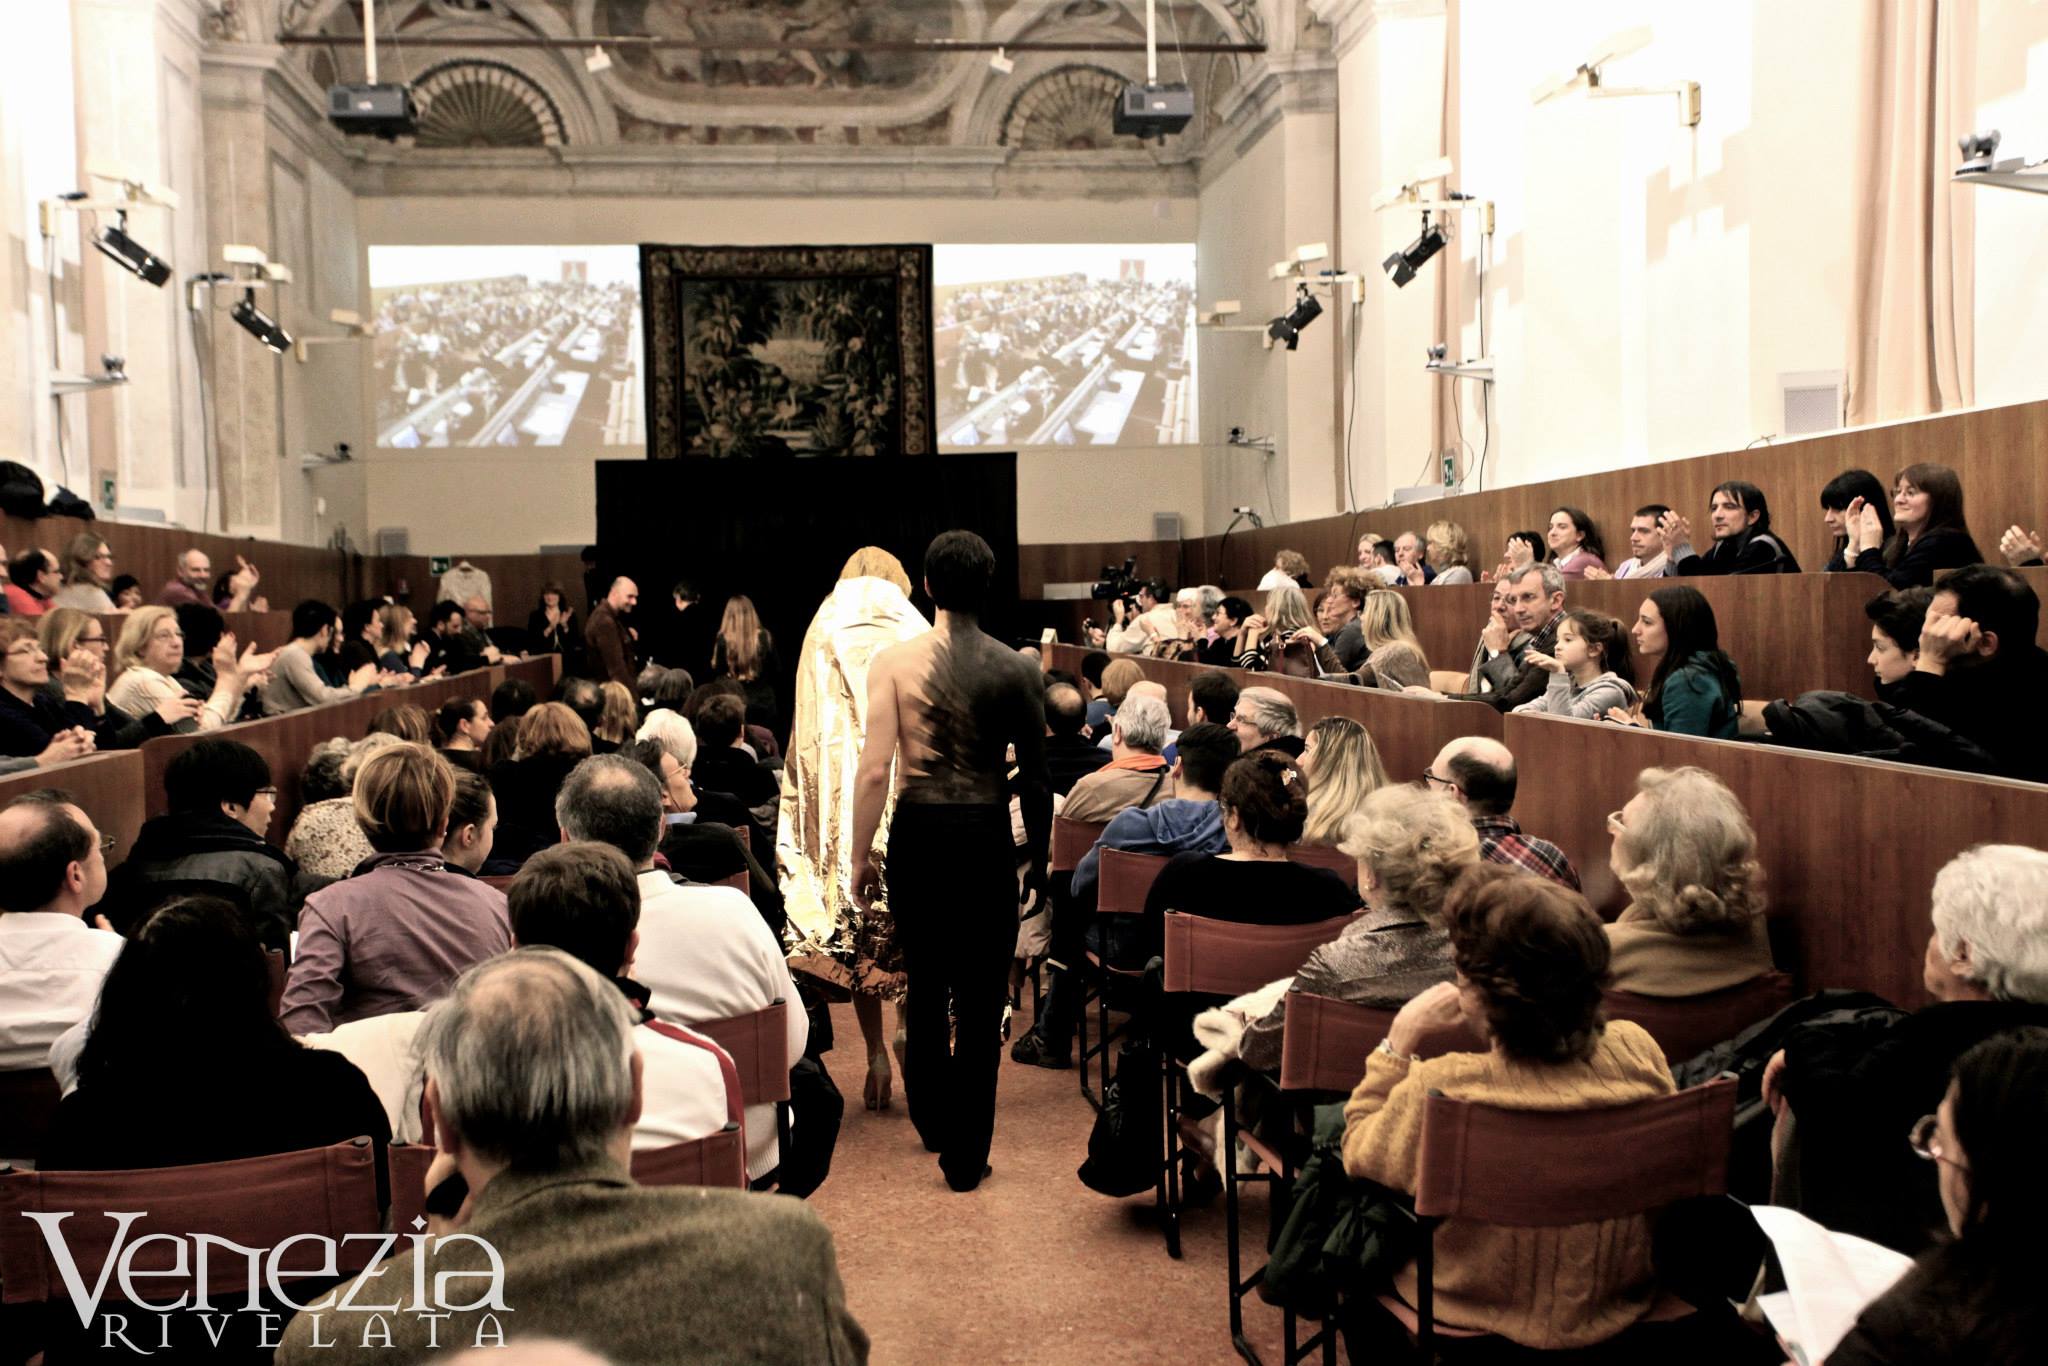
(745, 653)
(551, 628)
(1743, 542)
(1837, 496)
(1976, 1298)
(1265, 804)
(1930, 532)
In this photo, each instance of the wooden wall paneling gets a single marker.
(290, 572)
(1850, 846)
(108, 787)
(1083, 561)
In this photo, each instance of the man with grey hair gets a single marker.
(1532, 608)
(1137, 773)
(704, 952)
(1264, 719)
(678, 739)
(1848, 1088)
(533, 1086)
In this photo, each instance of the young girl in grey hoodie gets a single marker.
(1590, 672)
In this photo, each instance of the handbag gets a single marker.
(1123, 1148)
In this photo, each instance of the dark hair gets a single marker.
(1065, 712)
(1213, 693)
(646, 753)
(1654, 511)
(502, 745)
(1998, 600)
(614, 801)
(357, 615)
(585, 697)
(1749, 498)
(512, 699)
(1589, 534)
(1236, 608)
(959, 568)
(1206, 751)
(582, 898)
(310, 618)
(1846, 487)
(1092, 665)
(1489, 789)
(685, 590)
(1691, 638)
(1537, 955)
(1269, 793)
(190, 990)
(33, 871)
(27, 566)
(199, 779)
(672, 690)
(1900, 615)
(452, 714)
(202, 627)
(1597, 628)
(442, 611)
(1160, 590)
(121, 584)
(2000, 1108)
(1534, 540)
(472, 800)
(1383, 549)
(1053, 677)
(405, 720)
(1944, 492)
(720, 720)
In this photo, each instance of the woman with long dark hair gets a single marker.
(745, 653)
(1695, 690)
(1928, 533)
(1574, 542)
(1857, 489)
(1975, 1298)
(1740, 517)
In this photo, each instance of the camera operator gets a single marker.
(1137, 623)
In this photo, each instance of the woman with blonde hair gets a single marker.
(1269, 634)
(88, 572)
(1412, 844)
(745, 653)
(147, 657)
(867, 611)
(397, 650)
(1685, 850)
(1394, 658)
(1343, 767)
(79, 651)
(1448, 548)
(619, 717)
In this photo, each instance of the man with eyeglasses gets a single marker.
(53, 867)
(1481, 773)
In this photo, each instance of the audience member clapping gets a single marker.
(397, 932)
(1740, 518)
(1411, 846)
(2022, 548)
(1844, 500)
(1531, 962)
(1574, 543)
(1930, 535)
(1647, 558)
(294, 681)
(1591, 673)
(551, 628)
(1684, 849)
(1343, 767)
(1695, 689)
(1846, 1091)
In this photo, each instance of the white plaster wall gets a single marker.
(514, 502)
(2012, 228)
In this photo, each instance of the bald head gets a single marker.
(49, 857)
(195, 570)
(624, 594)
(1483, 772)
(1147, 689)
(612, 800)
(478, 611)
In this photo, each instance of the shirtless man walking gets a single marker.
(944, 711)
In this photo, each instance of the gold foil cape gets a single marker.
(814, 844)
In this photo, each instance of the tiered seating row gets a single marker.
(1850, 846)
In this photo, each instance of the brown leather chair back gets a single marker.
(759, 1045)
(1324, 1044)
(1225, 958)
(1326, 856)
(1071, 841)
(717, 1160)
(502, 881)
(256, 1202)
(738, 881)
(1124, 879)
(1548, 1168)
(1685, 1025)
(407, 1164)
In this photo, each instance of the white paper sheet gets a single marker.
(1829, 1278)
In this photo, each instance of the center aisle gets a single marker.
(1033, 1268)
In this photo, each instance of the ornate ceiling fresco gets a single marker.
(748, 79)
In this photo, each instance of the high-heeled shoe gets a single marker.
(876, 1093)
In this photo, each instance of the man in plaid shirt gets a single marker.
(1482, 773)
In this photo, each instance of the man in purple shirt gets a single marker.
(1481, 773)
(194, 583)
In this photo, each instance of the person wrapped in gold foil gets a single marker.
(867, 610)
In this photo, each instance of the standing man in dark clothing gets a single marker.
(607, 637)
(944, 712)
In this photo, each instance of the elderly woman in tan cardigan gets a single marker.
(1685, 850)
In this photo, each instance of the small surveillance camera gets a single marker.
(1236, 436)
(114, 365)
(1978, 149)
(1439, 351)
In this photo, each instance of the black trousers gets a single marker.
(953, 895)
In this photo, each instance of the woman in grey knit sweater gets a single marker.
(1590, 672)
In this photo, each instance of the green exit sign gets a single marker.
(437, 565)
(107, 493)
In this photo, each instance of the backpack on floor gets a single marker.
(1124, 1146)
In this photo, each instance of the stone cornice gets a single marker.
(1350, 20)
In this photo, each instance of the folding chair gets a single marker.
(1071, 841)
(739, 882)
(1326, 856)
(758, 1043)
(1123, 880)
(1686, 1025)
(501, 881)
(1220, 958)
(719, 1159)
(256, 1202)
(1550, 1169)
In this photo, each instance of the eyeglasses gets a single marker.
(1925, 1140)
(100, 639)
(1428, 778)
(1615, 824)
(106, 845)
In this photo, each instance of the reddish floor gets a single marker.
(1033, 1267)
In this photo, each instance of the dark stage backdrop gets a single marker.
(779, 530)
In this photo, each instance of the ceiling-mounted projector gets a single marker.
(385, 110)
(1153, 111)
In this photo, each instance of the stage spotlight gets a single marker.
(1306, 310)
(1403, 264)
(117, 246)
(259, 324)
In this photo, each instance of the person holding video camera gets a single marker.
(1136, 622)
